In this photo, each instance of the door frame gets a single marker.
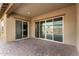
(22, 29)
(52, 34)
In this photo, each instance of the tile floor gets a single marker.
(36, 47)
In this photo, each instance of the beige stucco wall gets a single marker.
(77, 27)
(69, 23)
(0, 28)
(3, 36)
(8, 29)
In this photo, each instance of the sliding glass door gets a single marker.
(37, 29)
(57, 27)
(42, 29)
(50, 29)
(21, 29)
(25, 30)
(18, 29)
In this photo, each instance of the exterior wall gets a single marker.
(29, 29)
(3, 36)
(69, 23)
(0, 29)
(9, 28)
(78, 26)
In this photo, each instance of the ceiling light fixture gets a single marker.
(28, 12)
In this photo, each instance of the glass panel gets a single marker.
(18, 29)
(36, 29)
(57, 27)
(25, 30)
(42, 29)
(49, 29)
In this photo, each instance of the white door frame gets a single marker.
(52, 33)
(22, 30)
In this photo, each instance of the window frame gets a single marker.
(52, 33)
(22, 29)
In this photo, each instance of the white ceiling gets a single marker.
(36, 9)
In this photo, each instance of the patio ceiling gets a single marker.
(30, 10)
(35, 9)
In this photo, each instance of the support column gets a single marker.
(77, 26)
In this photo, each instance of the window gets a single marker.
(42, 29)
(18, 29)
(25, 31)
(50, 29)
(21, 29)
(57, 27)
(37, 29)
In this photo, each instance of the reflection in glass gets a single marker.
(42, 29)
(25, 30)
(57, 28)
(36, 29)
(49, 29)
(18, 29)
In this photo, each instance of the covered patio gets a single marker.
(36, 47)
(38, 29)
